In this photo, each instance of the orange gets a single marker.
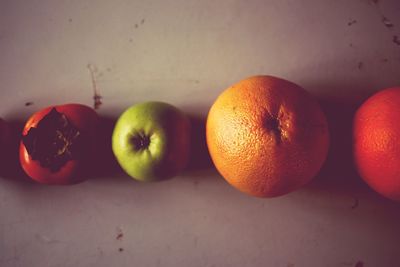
(267, 136)
(376, 139)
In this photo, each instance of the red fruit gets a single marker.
(376, 148)
(57, 142)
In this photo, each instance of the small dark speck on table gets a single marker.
(396, 39)
(136, 25)
(29, 103)
(120, 249)
(69, 20)
(387, 22)
(119, 236)
(351, 22)
(359, 264)
(355, 204)
(142, 21)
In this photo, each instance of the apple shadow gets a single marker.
(104, 164)
(199, 157)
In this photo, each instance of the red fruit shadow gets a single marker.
(10, 167)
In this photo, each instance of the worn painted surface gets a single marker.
(186, 53)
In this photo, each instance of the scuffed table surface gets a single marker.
(186, 53)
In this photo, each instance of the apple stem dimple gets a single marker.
(140, 141)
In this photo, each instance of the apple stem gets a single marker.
(140, 141)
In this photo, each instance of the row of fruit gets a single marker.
(266, 136)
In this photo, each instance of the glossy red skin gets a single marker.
(84, 119)
(376, 134)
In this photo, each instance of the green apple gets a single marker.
(151, 141)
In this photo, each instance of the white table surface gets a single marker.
(185, 53)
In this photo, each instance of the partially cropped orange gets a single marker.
(376, 134)
(267, 136)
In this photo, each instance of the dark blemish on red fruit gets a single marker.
(351, 45)
(351, 22)
(359, 264)
(355, 204)
(360, 65)
(120, 249)
(29, 103)
(396, 39)
(385, 60)
(54, 141)
(387, 22)
(96, 96)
